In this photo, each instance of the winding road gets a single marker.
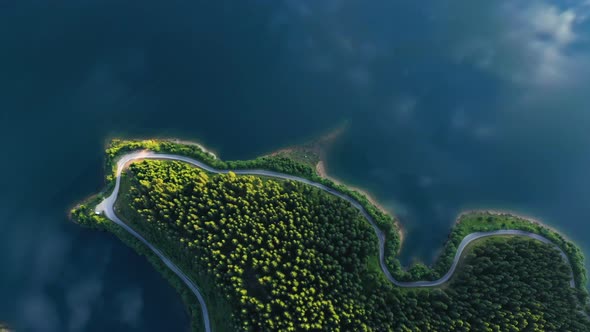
(107, 208)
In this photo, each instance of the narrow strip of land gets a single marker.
(107, 207)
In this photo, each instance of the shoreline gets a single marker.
(316, 148)
(510, 213)
(108, 211)
(322, 172)
(167, 139)
(199, 145)
(321, 144)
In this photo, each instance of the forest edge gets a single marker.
(467, 222)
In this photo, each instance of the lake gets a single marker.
(449, 105)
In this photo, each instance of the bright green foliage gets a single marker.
(519, 286)
(468, 223)
(484, 221)
(290, 257)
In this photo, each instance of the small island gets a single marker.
(271, 245)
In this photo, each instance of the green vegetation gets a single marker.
(302, 156)
(279, 255)
(279, 249)
(285, 164)
(276, 163)
(286, 256)
(484, 221)
(280, 163)
(84, 215)
(307, 154)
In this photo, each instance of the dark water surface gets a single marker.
(451, 105)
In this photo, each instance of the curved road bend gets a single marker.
(107, 207)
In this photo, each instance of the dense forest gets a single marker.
(286, 256)
(474, 221)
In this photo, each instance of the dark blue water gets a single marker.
(451, 105)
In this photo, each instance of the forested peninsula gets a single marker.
(274, 254)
